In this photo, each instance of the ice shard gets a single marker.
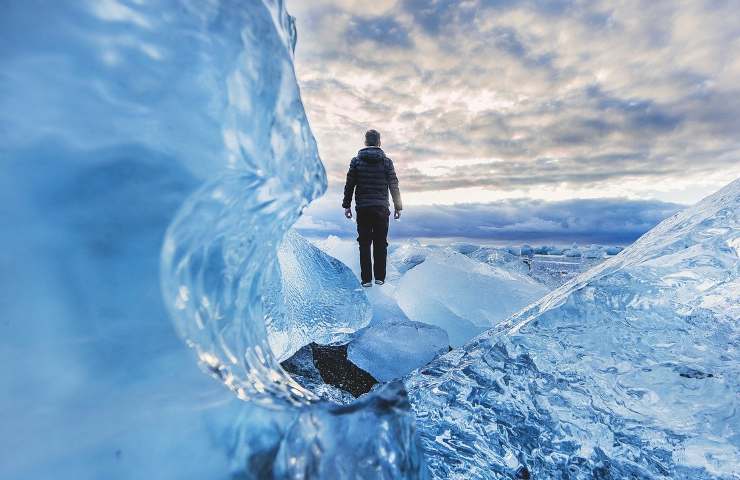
(631, 370)
(464, 297)
(394, 348)
(408, 255)
(318, 299)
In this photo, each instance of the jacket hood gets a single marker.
(371, 154)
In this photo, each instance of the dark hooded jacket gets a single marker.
(371, 175)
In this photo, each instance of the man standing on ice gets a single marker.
(371, 175)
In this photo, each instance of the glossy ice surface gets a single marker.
(320, 299)
(391, 349)
(463, 296)
(630, 369)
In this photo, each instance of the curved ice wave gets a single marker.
(220, 250)
(219, 269)
(631, 370)
(113, 113)
(219, 254)
(218, 257)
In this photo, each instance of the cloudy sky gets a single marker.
(528, 115)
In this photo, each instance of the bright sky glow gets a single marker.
(481, 100)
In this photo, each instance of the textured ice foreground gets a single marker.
(463, 296)
(631, 370)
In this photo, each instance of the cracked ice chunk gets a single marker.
(323, 301)
(463, 296)
(342, 249)
(393, 349)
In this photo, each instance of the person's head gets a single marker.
(372, 138)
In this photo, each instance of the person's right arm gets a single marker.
(349, 188)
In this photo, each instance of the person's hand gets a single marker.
(397, 214)
(348, 212)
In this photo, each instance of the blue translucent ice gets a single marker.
(111, 114)
(130, 129)
(394, 348)
(463, 296)
(318, 299)
(631, 370)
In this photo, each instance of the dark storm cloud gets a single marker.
(615, 221)
(434, 15)
(639, 114)
(386, 31)
(417, 181)
(508, 40)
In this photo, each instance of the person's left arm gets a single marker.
(392, 178)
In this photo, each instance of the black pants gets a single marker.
(372, 228)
